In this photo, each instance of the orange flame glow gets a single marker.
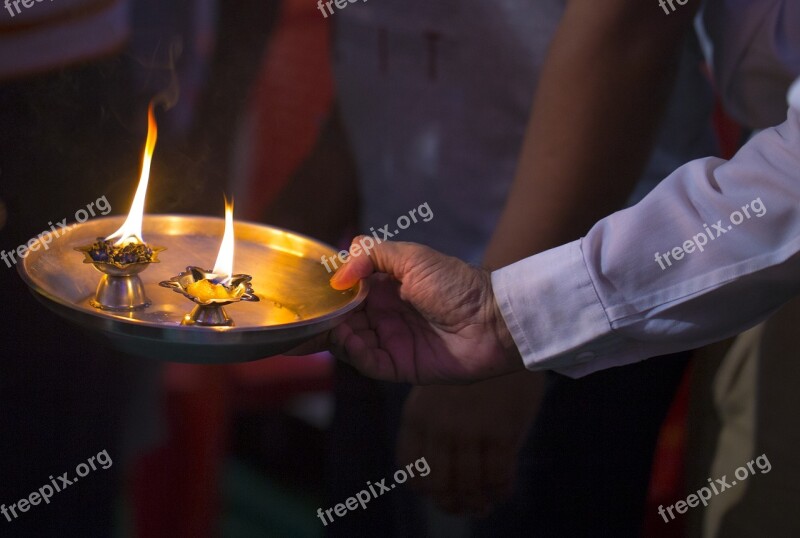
(131, 230)
(223, 268)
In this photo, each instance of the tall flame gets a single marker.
(223, 268)
(131, 230)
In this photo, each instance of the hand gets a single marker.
(471, 437)
(430, 319)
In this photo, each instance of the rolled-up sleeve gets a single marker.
(641, 284)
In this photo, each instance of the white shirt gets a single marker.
(754, 55)
(606, 300)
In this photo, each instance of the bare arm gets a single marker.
(602, 92)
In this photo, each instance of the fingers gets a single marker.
(355, 268)
(358, 321)
(317, 344)
(379, 344)
(389, 257)
(358, 349)
(362, 352)
(357, 343)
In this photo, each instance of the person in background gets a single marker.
(435, 100)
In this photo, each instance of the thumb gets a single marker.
(366, 257)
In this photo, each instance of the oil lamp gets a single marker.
(143, 316)
(212, 290)
(124, 254)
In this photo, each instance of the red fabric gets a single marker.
(728, 131)
(270, 383)
(290, 102)
(667, 481)
(175, 486)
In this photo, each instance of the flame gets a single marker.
(223, 268)
(131, 230)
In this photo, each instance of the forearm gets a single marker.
(595, 113)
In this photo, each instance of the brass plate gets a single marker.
(296, 301)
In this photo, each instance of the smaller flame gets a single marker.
(131, 230)
(223, 268)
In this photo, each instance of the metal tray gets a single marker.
(296, 301)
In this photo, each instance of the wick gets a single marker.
(221, 279)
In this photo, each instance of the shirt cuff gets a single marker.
(794, 95)
(552, 310)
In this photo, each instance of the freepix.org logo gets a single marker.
(15, 510)
(366, 243)
(718, 486)
(671, 3)
(755, 208)
(361, 498)
(15, 5)
(44, 239)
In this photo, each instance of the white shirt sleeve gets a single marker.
(712, 251)
(754, 56)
